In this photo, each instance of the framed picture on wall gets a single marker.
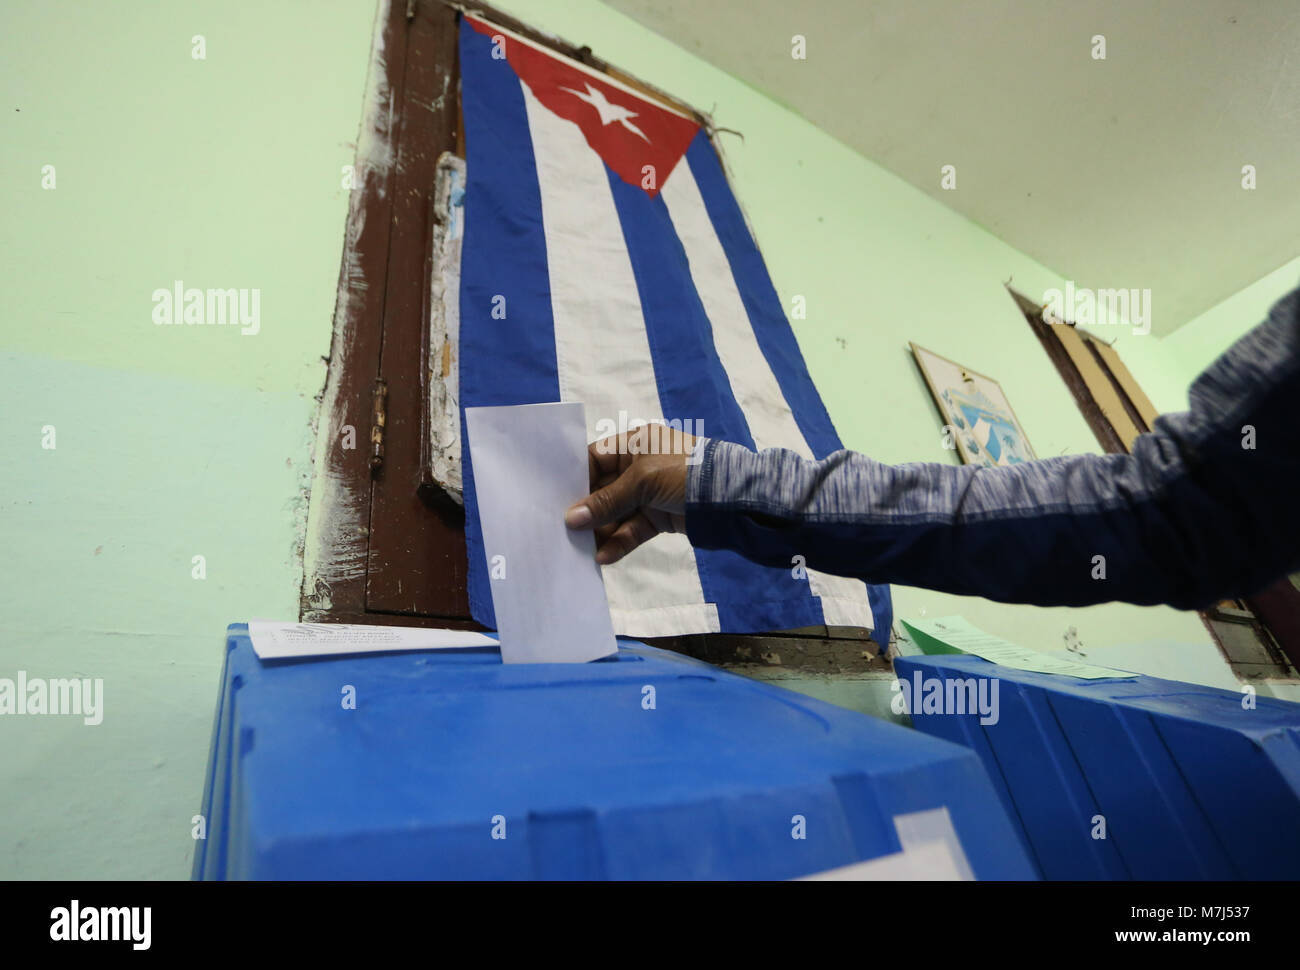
(982, 423)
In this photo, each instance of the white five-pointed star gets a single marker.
(608, 112)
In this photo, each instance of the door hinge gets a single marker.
(378, 417)
(410, 10)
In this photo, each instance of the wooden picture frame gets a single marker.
(975, 411)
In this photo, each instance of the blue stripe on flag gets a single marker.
(771, 328)
(693, 386)
(503, 268)
(766, 315)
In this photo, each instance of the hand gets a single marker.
(638, 489)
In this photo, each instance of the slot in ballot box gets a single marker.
(1135, 778)
(645, 765)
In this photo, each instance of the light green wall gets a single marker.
(176, 441)
(1193, 346)
(171, 441)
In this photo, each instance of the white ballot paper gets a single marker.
(530, 464)
(273, 640)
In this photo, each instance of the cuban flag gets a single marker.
(605, 260)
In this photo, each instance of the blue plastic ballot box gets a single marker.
(450, 764)
(1136, 778)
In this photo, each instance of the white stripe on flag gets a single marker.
(603, 356)
(771, 422)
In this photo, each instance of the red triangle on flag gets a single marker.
(642, 141)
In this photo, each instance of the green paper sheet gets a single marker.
(955, 634)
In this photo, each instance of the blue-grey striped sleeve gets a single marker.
(1205, 506)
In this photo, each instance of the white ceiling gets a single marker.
(1117, 173)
